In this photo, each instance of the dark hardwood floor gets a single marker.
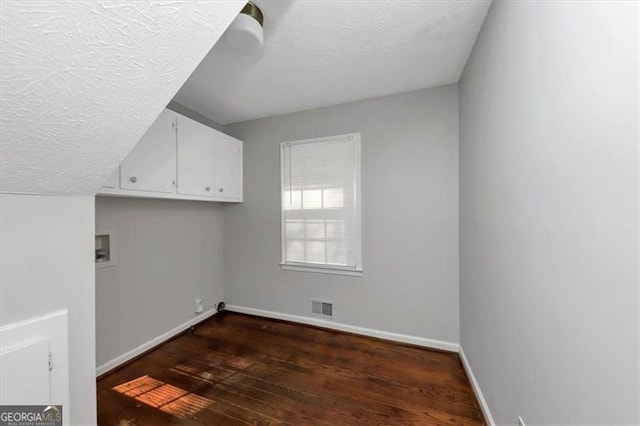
(238, 369)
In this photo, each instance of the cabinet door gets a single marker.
(228, 167)
(112, 182)
(151, 166)
(195, 158)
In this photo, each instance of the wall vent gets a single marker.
(323, 308)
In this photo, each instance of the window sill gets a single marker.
(334, 271)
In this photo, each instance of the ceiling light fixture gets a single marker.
(245, 34)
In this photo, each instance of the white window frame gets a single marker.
(326, 269)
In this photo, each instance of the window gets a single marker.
(320, 208)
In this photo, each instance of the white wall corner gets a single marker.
(127, 356)
(638, 177)
(476, 388)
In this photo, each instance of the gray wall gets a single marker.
(410, 216)
(187, 112)
(549, 205)
(46, 264)
(168, 253)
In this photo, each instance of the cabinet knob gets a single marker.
(133, 179)
(208, 188)
(221, 189)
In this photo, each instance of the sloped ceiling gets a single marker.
(320, 53)
(83, 80)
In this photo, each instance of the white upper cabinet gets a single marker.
(113, 180)
(228, 167)
(179, 158)
(151, 166)
(195, 158)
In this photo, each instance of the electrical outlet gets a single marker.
(520, 421)
(199, 306)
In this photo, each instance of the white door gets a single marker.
(228, 167)
(151, 166)
(34, 362)
(195, 158)
(25, 374)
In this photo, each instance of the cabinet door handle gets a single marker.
(221, 189)
(133, 179)
(208, 188)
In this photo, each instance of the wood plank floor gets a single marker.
(236, 369)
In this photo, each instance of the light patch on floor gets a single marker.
(167, 398)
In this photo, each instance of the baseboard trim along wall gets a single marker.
(127, 356)
(476, 388)
(396, 337)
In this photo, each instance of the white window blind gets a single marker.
(321, 203)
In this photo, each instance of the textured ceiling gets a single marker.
(320, 53)
(83, 80)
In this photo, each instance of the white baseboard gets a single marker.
(119, 360)
(403, 338)
(476, 389)
(396, 337)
